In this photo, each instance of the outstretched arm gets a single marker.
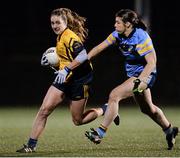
(97, 49)
(80, 58)
(83, 56)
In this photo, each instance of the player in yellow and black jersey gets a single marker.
(73, 77)
(69, 47)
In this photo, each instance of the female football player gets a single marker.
(73, 78)
(133, 41)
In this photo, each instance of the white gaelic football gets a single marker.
(52, 56)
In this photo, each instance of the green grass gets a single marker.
(137, 135)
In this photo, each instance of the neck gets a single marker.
(128, 31)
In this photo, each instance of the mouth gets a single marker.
(116, 29)
(56, 29)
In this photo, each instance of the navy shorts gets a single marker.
(76, 89)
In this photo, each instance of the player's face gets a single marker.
(119, 25)
(58, 24)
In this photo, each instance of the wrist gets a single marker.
(144, 80)
(68, 70)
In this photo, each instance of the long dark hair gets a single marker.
(131, 16)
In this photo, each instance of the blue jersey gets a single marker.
(134, 48)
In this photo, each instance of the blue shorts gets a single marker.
(76, 89)
(151, 80)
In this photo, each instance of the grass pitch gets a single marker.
(137, 135)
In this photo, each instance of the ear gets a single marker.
(128, 24)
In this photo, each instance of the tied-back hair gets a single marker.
(128, 15)
(75, 22)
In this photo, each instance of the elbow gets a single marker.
(153, 64)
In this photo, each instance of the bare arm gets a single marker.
(97, 49)
(93, 52)
(73, 64)
(80, 58)
(150, 66)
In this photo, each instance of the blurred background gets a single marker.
(26, 33)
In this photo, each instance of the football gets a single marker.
(52, 56)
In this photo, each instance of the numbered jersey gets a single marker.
(134, 48)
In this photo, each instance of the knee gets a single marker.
(77, 121)
(44, 112)
(114, 97)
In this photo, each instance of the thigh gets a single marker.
(124, 90)
(77, 107)
(53, 97)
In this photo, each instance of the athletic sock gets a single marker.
(168, 130)
(32, 143)
(104, 107)
(101, 131)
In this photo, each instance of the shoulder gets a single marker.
(111, 39)
(141, 34)
(115, 34)
(68, 35)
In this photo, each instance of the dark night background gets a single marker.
(26, 33)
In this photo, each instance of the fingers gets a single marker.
(56, 72)
(44, 61)
(61, 75)
(60, 78)
(139, 86)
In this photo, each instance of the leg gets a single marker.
(117, 118)
(145, 102)
(51, 100)
(79, 116)
(148, 108)
(121, 92)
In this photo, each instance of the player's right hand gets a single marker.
(62, 75)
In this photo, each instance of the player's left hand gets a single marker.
(139, 86)
(62, 75)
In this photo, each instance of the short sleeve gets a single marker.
(145, 44)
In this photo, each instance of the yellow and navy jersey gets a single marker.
(134, 48)
(68, 47)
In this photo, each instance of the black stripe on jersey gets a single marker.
(68, 53)
(76, 47)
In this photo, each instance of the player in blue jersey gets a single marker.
(133, 41)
